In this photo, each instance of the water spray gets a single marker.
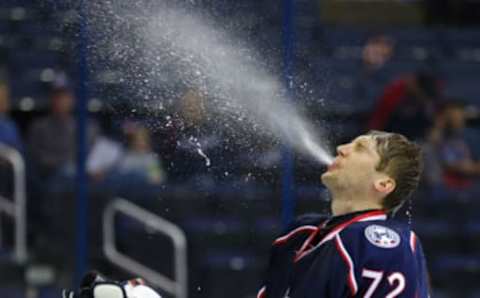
(173, 43)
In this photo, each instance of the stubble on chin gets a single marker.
(328, 179)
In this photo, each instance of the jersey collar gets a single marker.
(364, 215)
(339, 223)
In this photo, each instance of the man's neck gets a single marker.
(347, 204)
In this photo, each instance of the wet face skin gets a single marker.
(354, 168)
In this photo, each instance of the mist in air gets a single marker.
(153, 45)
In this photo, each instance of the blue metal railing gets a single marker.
(288, 38)
(81, 179)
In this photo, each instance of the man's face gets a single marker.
(354, 166)
(4, 99)
(455, 118)
(62, 103)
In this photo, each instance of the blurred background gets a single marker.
(92, 178)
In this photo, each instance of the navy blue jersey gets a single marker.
(362, 254)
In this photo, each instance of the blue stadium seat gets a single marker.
(236, 271)
(435, 233)
(414, 35)
(464, 88)
(344, 36)
(415, 43)
(50, 292)
(231, 259)
(337, 78)
(4, 27)
(474, 293)
(461, 37)
(12, 292)
(213, 224)
(458, 273)
(395, 68)
(458, 43)
(36, 29)
(456, 262)
(329, 65)
(22, 88)
(472, 230)
(26, 59)
(459, 69)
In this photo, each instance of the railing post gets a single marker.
(17, 208)
(288, 34)
(178, 287)
(81, 130)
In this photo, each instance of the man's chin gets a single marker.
(327, 177)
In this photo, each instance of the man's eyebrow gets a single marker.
(362, 141)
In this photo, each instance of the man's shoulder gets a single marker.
(308, 219)
(382, 236)
(301, 227)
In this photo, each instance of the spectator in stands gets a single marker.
(196, 136)
(450, 154)
(140, 160)
(377, 52)
(10, 137)
(52, 138)
(192, 109)
(407, 106)
(103, 157)
(8, 129)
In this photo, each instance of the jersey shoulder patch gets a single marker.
(382, 236)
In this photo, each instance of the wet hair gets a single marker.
(402, 160)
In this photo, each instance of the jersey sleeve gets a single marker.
(423, 280)
(282, 255)
(338, 281)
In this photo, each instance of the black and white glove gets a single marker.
(68, 294)
(94, 285)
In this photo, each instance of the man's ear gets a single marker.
(385, 185)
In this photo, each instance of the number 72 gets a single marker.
(395, 279)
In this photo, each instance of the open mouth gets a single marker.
(333, 166)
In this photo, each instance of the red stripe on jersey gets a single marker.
(413, 241)
(374, 215)
(261, 293)
(352, 284)
(285, 238)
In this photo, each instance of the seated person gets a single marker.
(53, 137)
(447, 140)
(8, 129)
(407, 106)
(139, 159)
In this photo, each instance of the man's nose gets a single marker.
(342, 150)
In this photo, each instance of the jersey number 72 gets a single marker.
(395, 279)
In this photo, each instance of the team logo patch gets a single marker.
(382, 236)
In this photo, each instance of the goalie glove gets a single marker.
(96, 286)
